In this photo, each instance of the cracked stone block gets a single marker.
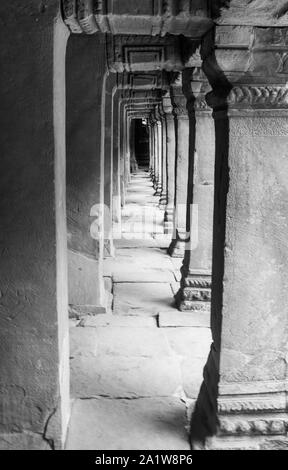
(182, 319)
(145, 342)
(124, 377)
(142, 424)
(147, 296)
(83, 342)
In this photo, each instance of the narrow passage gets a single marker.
(136, 371)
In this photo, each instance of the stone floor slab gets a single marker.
(175, 318)
(192, 376)
(131, 321)
(128, 342)
(83, 342)
(143, 424)
(192, 342)
(128, 274)
(124, 377)
(150, 297)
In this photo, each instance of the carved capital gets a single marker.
(250, 97)
(258, 96)
(247, 67)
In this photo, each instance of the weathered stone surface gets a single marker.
(143, 257)
(150, 297)
(192, 375)
(131, 275)
(23, 441)
(255, 12)
(182, 319)
(156, 423)
(83, 273)
(131, 321)
(124, 377)
(129, 342)
(83, 342)
(192, 342)
(175, 287)
(34, 319)
(76, 312)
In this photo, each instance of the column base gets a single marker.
(260, 431)
(244, 416)
(195, 293)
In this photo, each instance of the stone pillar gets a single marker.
(122, 149)
(34, 371)
(151, 165)
(86, 65)
(195, 291)
(127, 160)
(171, 156)
(108, 165)
(116, 208)
(177, 246)
(250, 276)
(163, 195)
(155, 153)
(158, 188)
(133, 162)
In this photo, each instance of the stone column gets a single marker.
(155, 152)
(86, 65)
(177, 246)
(116, 208)
(122, 149)
(108, 165)
(150, 147)
(34, 371)
(171, 156)
(133, 162)
(158, 188)
(195, 291)
(127, 161)
(250, 265)
(163, 195)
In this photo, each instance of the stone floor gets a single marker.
(136, 371)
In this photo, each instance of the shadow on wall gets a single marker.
(204, 420)
(217, 6)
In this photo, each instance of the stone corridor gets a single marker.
(143, 222)
(136, 372)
